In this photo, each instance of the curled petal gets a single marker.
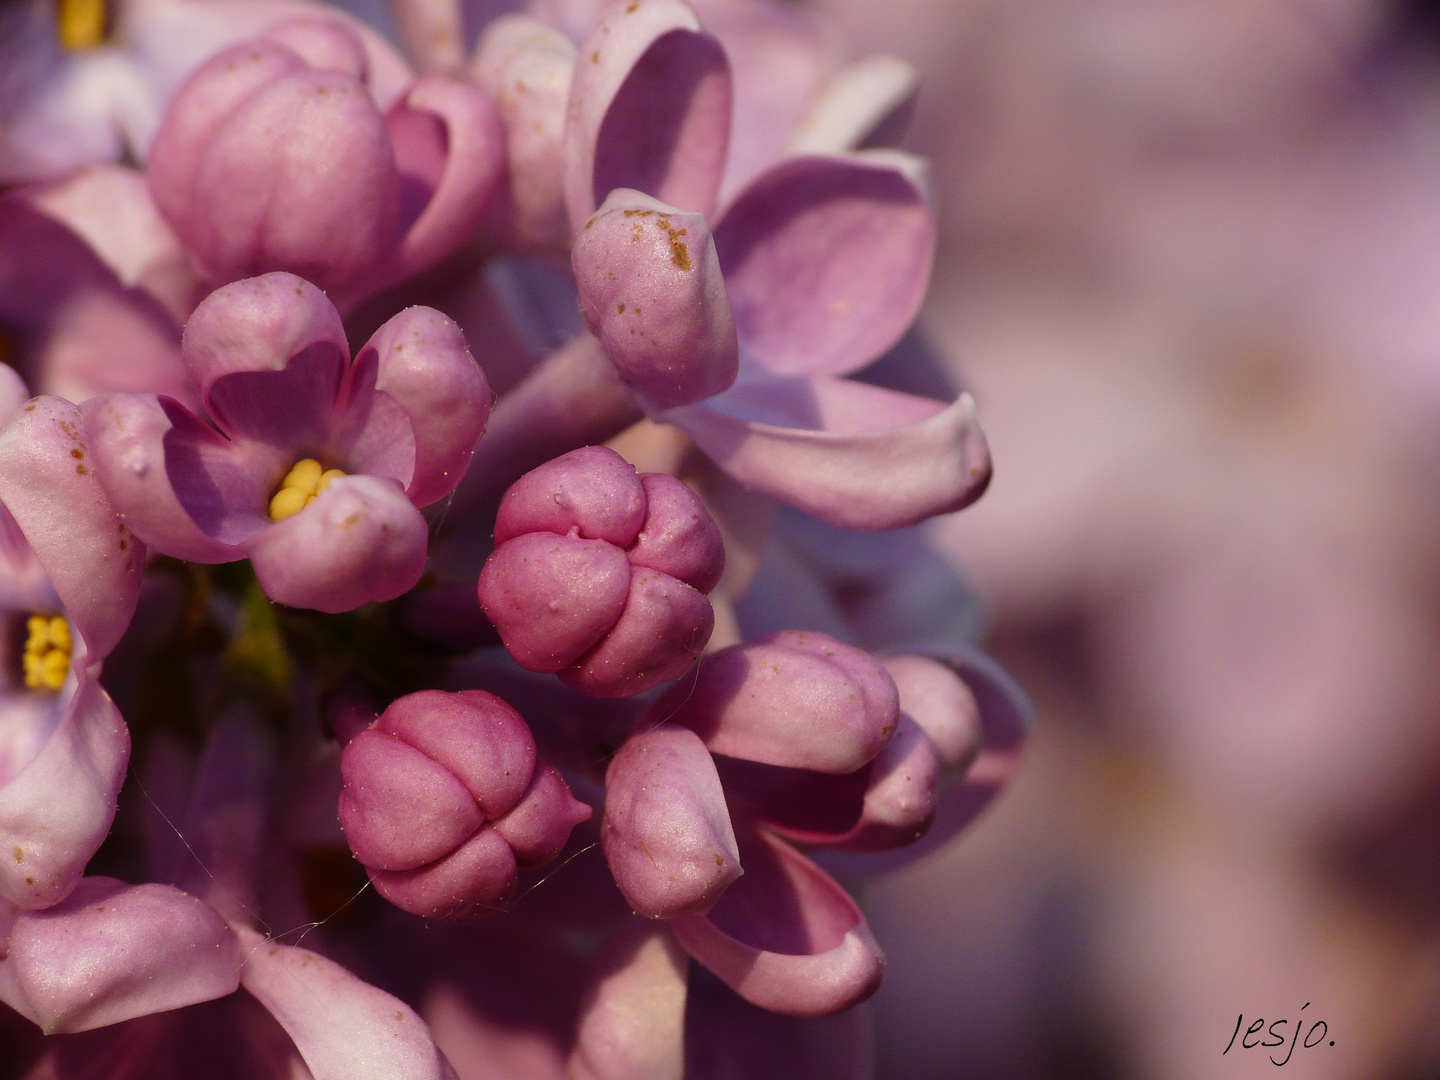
(796, 699)
(525, 66)
(867, 103)
(111, 952)
(592, 490)
(665, 625)
(553, 597)
(651, 291)
(424, 364)
(827, 260)
(666, 832)
(786, 936)
(344, 1028)
(680, 538)
(450, 152)
(940, 702)
(899, 802)
(56, 812)
(260, 325)
(360, 541)
(632, 1022)
(649, 109)
(851, 454)
(127, 436)
(49, 485)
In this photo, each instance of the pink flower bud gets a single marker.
(599, 574)
(445, 800)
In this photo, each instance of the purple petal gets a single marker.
(786, 937)
(867, 103)
(826, 260)
(797, 699)
(399, 808)
(680, 538)
(592, 490)
(359, 542)
(425, 366)
(651, 291)
(127, 434)
(632, 1022)
(539, 826)
(940, 702)
(665, 625)
(278, 325)
(483, 742)
(450, 152)
(849, 453)
(553, 597)
(474, 880)
(345, 1029)
(649, 109)
(324, 44)
(56, 812)
(666, 831)
(901, 795)
(49, 486)
(112, 952)
(525, 66)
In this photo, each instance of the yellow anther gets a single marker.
(46, 661)
(80, 24)
(302, 483)
(287, 502)
(325, 478)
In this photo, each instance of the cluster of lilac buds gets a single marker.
(396, 653)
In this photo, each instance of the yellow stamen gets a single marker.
(302, 483)
(46, 661)
(80, 24)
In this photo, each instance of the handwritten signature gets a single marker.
(1311, 1040)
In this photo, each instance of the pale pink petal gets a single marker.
(785, 936)
(649, 109)
(632, 1023)
(433, 31)
(941, 703)
(111, 952)
(827, 259)
(851, 454)
(54, 815)
(344, 1028)
(360, 541)
(866, 103)
(48, 483)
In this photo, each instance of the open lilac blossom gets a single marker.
(352, 197)
(445, 799)
(69, 582)
(825, 259)
(599, 574)
(292, 420)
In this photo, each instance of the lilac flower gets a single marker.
(445, 799)
(69, 581)
(600, 574)
(292, 420)
(352, 198)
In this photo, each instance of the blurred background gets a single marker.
(1190, 268)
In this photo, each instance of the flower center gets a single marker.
(80, 24)
(305, 480)
(47, 652)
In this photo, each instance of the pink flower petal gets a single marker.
(56, 812)
(593, 491)
(49, 486)
(651, 291)
(827, 260)
(360, 541)
(632, 1023)
(866, 103)
(849, 453)
(344, 1028)
(786, 937)
(666, 830)
(111, 952)
(425, 366)
(649, 109)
